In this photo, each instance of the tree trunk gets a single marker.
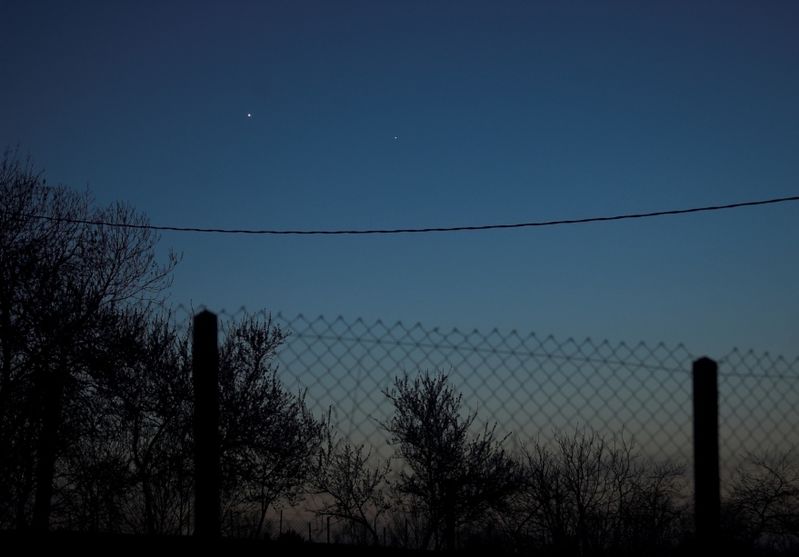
(449, 529)
(52, 392)
(149, 512)
(25, 488)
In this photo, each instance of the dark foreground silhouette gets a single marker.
(15, 542)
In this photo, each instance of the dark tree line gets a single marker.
(95, 384)
(65, 290)
(96, 410)
(581, 492)
(456, 486)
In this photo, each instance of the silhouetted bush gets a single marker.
(452, 476)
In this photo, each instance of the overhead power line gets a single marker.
(323, 232)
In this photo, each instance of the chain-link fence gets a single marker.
(758, 405)
(532, 386)
(536, 391)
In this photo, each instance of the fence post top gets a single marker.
(204, 314)
(705, 359)
(705, 363)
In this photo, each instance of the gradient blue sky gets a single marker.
(504, 111)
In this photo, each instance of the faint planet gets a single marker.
(249, 115)
(396, 137)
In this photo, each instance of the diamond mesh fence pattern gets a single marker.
(533, 387)
(758, 405)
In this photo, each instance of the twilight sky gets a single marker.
(432, 113)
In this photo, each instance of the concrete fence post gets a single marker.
(707, 489)
(205, 376)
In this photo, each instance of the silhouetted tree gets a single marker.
(130, 468)
(148, 396)
(60, 280)
(270, 439)
(127, 465)
(356, 489)
(453, 477)
(763, 507)
(587, 495)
